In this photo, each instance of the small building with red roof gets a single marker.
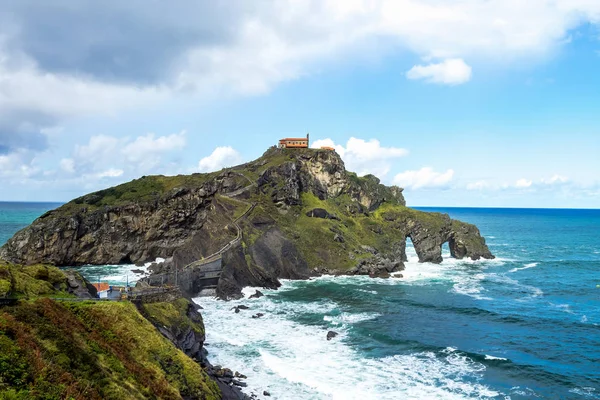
(294, 143)
(102, 288)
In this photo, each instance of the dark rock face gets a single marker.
(321, 213)
(289, 193)
(112, 235)
(428, 243)
(258, 294)
(331, 335)
(466, 241)
(79, 286)
(185, 338)
(378, 267)
(271, 257)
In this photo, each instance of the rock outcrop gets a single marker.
(181, 323)
(293, 213)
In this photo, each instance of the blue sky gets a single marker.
(463, 103)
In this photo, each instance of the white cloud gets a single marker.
(523, 183)
(220, 158)
(98, 150)
(18, 166)
(67, 165)
(110, 173)
(532, 185)
(424, 178)
(479, 185)
(132, 156)
(555, 180)
(273, 42)
(365, 157)
(448, 72)
(146, 151)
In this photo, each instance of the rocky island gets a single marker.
(292, 213)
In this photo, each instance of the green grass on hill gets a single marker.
(172, 314)
(92, 350)
(144, 189)
(32, 281)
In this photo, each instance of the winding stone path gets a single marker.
(207, 271)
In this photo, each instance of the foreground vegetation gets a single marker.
(88, 349)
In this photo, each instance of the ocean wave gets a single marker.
(292, 360)
(470, 285)
(563, 307)
(534, 292)
(349, 318)
(368, 291)
(586, 392)
(492, 358)
(119, 274)
(526, 266)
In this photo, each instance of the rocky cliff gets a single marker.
(299, 211)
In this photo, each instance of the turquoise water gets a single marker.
(16, 216)
(523, 326)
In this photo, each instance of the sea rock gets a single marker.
(256, 295)
(331, 335)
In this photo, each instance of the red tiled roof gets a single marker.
(101, 286)
(288, 139)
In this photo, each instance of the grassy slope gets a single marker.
(314, 237)
(31, 281)
(145, 189)
(172, 314)
(91, 350)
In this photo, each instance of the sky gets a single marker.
(474, 103)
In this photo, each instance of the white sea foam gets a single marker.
(348, 318)
(119, 274)
(526, 266)
(534, 292)
(292, 360)
(586, 392)
(563, 307)
(368, 291)
(466, 275)
(488, 357)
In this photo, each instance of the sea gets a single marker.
(523, 326)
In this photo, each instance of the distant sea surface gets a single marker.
(523, 326)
